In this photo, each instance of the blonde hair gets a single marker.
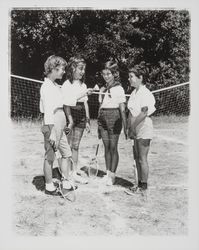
(53, 62)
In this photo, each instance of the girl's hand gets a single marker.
(67, 130)
(90, 91)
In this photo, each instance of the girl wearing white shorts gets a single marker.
(141, 105)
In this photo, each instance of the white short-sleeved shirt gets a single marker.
(139, 99)
(50, 100)
(116, 97)
(71, 92)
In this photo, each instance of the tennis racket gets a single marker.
(93, 167)
(135, 173)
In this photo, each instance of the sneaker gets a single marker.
(68, 184)
(110, 181)
(79, 178)
(134, 190)
(54, 192)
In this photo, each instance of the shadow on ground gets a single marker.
(39, 181)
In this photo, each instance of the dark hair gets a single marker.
(73, 62)
(140, 70)
(113, 67)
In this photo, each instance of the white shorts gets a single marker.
(144, 130)
(62, 141)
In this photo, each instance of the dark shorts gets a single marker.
(110, 120)
(79, 115)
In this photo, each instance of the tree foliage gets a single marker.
(159, 37)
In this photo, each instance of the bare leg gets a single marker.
(114, 152)
(75, 141)
(107, 153)
(64, 164)
(143, 146)
(47, 168)
(136, 156)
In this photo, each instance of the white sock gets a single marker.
(108, 172)
(112, 175)
(50, 186)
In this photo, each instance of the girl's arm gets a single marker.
(139, 118)
(87, 116)
(123, 115)
(85, 93)
(67, 112)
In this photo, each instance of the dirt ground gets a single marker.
(100, 210)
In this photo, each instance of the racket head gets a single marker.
(93, 166)
(67, 194)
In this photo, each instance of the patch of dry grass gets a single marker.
(100, 210)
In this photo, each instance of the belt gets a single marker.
(80, 103)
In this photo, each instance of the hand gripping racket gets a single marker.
(93, 167)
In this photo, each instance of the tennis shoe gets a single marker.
(110, 181)
(133, 190)
(53, 193)
(67, 184)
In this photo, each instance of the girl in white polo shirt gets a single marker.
(141, 105)
(54, 122)
(110, 119)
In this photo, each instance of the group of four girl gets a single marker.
(70, 101)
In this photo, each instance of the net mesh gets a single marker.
(25, 95)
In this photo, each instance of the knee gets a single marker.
(113, 150)
(142, 161)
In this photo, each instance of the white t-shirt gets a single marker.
(116, 97)
(50, 100)
(139, 99)
(71, 92)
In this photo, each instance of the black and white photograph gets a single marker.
(100, 117)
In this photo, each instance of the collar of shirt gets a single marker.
(48, 81)
(113, 99)
(140, 90)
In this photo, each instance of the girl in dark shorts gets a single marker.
(78, 112)
(110, 119)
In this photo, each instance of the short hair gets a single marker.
(73, 63)
(113, 67)
(140, 69)
(53, 62)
